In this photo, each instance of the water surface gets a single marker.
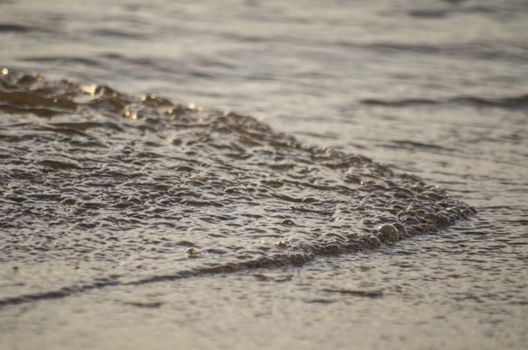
(247, 174)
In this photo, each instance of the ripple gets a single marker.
(513, 102)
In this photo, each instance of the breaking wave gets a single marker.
(134, 190)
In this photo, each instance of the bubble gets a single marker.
(388, 233)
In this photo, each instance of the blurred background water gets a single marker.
(438, 89)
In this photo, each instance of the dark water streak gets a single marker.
(515, 102)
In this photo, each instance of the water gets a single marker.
(385, 206)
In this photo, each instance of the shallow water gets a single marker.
(132, 216)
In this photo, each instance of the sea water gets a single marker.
(245, 174)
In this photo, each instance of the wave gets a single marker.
(157, 191)
(455, 9)
(19, 28)
(514, 102)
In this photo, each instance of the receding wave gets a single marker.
(514, 102)
(155, 191)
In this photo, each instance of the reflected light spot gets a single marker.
(130, 115)
(90, 89)
(193, 106)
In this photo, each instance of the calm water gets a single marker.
(246, 174)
